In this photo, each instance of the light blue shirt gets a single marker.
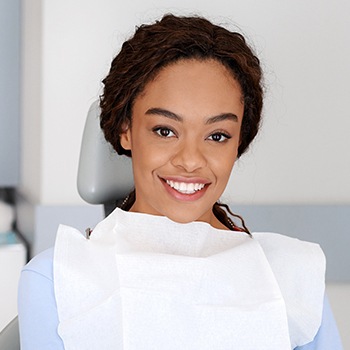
(38, 319)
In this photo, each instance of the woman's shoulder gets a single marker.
(42, 264)
(299, 269)
(278, 246)
(297, 264)
(37, 311)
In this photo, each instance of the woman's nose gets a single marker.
(190, 157)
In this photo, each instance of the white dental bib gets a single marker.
(145, 282)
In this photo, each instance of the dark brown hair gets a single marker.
(165, 42)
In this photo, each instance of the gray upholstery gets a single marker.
(9, 336)
(103, 175)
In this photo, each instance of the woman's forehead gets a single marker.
(189, 84)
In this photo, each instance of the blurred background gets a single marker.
(294, 179)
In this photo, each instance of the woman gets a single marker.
(183, 98)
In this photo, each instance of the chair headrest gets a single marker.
(103, 175)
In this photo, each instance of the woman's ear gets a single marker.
(125, 138)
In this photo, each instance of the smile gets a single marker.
(185, 188)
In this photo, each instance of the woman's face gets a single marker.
(184, 138)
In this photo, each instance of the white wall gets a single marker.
(301, 155)
(31, 97)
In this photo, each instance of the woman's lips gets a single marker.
(186, 189)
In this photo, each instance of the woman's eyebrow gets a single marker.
(164, 113)
(174, 116)
(222, 117)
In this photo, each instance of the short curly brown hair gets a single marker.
(158, 45)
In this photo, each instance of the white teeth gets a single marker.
(186, 188)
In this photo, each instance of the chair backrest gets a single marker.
(104, 177)
(9, 336)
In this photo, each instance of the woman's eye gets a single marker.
(164, 132)
(219, 137)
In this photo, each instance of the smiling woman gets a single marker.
(170, 269)
(210, 69)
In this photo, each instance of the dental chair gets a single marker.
(104, 177)
(9, 336)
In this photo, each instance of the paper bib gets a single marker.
(145, 282)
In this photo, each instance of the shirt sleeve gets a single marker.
(327, 336)
(37, 311)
